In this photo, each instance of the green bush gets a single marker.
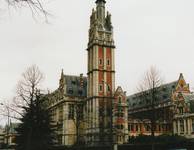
(144, 139)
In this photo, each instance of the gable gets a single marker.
(182, 86)
(120, 96)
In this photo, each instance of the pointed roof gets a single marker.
(119, 90)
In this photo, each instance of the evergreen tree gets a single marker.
(35, 131)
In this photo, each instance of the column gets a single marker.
(178, 121)
(174, 127)
(189, 126)
(185, 126)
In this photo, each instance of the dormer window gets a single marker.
(164, 89)
(70, 91)
(73, 82)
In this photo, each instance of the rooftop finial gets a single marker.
(62, 74)
(97, 1)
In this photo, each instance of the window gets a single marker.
(80, 92)
(120, 114)
(137, 127)
(70, 90)
(147, 128)
(120, 99)
(108, 88)
(71, 111)
(79, 112)
(120, 126)
(180, 110)
(73, 82)
(164, 97)
(173, 87)
(100, 61)
(164, 89)
(60, 119)
(100, 88)
(108, 62)
(130, 127)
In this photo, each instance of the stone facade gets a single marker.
(173, 111)
(120, 116)
(183, 99)
(90, 110)
(67, 107)
(101, 76)
(82, 107)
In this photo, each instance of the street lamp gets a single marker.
(8, 123)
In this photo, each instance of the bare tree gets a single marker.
(36, 6)
(28, 88)
(149, 91)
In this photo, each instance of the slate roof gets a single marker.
(74, 87)
(189, 99)
(136, 101)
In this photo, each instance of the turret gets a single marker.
(61, 81)
(100, 10)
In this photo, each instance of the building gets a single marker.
(2, 135)
(101, 76)
(8, 135)
(83, 108)
(120, 116)
(66, 105)
(11, 134)
(173, 111)
(183, 99)
(91, 110)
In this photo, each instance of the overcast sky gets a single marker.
(146, 32)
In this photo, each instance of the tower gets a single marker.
(101, 76)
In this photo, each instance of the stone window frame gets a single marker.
(71, 111)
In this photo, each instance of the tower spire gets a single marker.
(100, 7)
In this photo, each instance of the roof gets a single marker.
(189, 99)
(75, 85)
(139, 100)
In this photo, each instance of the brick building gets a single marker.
(83, 108)
(91, 110)
(173, 111)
